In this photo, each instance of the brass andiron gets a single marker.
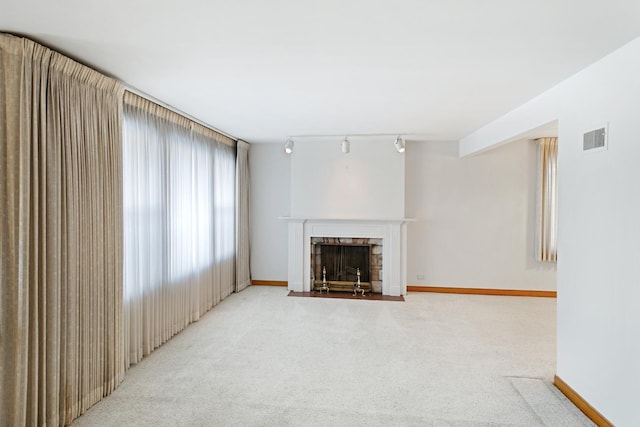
(356, 286)
(325, 285)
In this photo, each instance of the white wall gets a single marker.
(367, 183)
(475, 218)
(317, 181)
(599, 236)
(269, 172)
(459, 238)
(599, 230)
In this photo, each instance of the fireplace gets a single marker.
(386, 237)
(336, 263)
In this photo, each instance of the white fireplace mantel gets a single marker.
(393, 233)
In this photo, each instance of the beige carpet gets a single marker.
(261, 358)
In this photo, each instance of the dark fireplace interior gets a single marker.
(343, 261)
(341, 257)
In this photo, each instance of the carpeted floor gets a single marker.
(261, 358)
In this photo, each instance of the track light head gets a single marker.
(346, 145)
(399, 144)
(288, 146)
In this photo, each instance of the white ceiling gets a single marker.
(264, 70)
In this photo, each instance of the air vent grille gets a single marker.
(595, 139)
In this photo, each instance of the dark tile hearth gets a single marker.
(346, 295)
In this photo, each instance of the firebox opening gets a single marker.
(336, 262)
(342, 262)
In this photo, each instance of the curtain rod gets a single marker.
(127, 87)
(175, 110)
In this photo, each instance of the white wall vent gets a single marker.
(595, 139)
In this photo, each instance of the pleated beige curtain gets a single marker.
(179, 223)
(61, 233)
(243, 272)
(547, 232)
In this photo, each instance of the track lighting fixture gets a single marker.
(288, 146)
(346, 145)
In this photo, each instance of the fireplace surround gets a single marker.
(391, 233)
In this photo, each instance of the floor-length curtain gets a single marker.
(60, 240)
(243, 272)
(179, 225)
(547, 194)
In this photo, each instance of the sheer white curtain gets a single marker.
(547, 233)
(179, 226)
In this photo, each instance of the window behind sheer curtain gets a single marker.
(179, 224)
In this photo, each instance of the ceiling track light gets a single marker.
(346, 145)
(288, 146)
(399, 143)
